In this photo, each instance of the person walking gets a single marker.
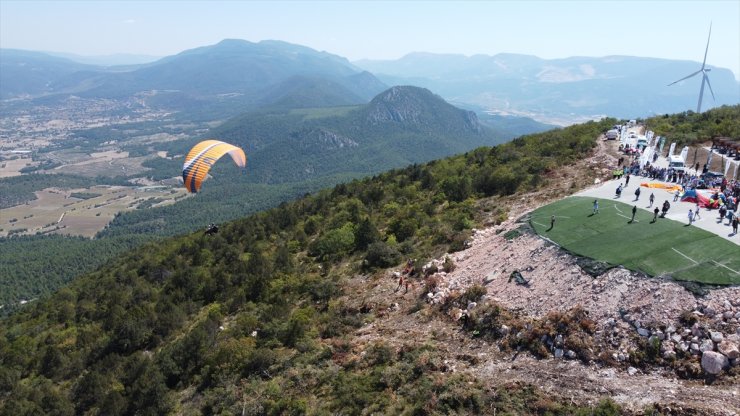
(400, 283)
(634, 211)
(596, 206)
(655, 214)
(734, 225)
(691, 216)
(652, 198)
(619, 190)
(552, 222)
(637, 193)
(676, 195)
(627, 180)
(697, 216)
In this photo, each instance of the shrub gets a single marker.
(381, 255)
(448, 265)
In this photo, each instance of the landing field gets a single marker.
(665, 247)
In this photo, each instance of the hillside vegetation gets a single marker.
(249, 321)
(290, 153)
(690, 128)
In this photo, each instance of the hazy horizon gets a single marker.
(383, 30)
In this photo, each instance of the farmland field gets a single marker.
(56, 211)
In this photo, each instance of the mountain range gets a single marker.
(234, 76)
(559, 89)
(228, 78)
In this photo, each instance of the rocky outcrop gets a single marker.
(412, 106)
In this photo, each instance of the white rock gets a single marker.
(671, 329)
(676, 338)
(632, 371)
(714, 362)
(706, 345)
(669, 354)
(570, 354)
(558, 353)
(716, 336)
(472, 305)
(643, 332)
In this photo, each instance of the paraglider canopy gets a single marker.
(202, 156)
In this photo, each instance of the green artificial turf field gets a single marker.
(665, 247)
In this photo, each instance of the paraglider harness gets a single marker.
(212, 229)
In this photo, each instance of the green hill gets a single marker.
(251, 319)
(291, 153)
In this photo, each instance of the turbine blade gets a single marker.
(686, 77)
(710, 86)
(707, 50)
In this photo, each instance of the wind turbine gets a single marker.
(704, 70)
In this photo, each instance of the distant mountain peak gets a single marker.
(413, 105)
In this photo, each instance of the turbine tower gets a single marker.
(704, 71)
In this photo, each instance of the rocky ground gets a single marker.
(696, 364)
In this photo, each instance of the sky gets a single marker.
(383, 29)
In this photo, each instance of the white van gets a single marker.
(676, 162)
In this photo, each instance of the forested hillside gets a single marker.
(689, 128)
(290, 153)
(249, 321)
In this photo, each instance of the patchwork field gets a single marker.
(12, 167)
(663, 247)
(59, 212)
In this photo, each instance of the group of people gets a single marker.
(726, 199)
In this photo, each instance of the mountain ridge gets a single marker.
(573, 87)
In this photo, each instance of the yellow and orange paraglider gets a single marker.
(202, 156)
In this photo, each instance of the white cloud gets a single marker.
(129, 21)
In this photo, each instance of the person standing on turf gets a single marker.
(691, 216)
(652, 198)
(655, 214)
(634, 211)
(596, 206)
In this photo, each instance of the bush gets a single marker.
(381, 255)
(449, 265)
